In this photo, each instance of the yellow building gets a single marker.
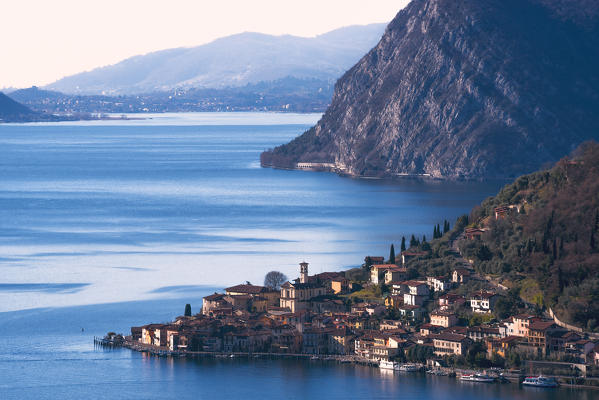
(444, 319)
(296, 296)
(450, 343)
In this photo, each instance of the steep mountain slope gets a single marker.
(231, 61)
(549, 251)
(11, 111)
(472, 89)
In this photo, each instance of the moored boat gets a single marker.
(384, 364)
(437, 372)
(540, 381)
(483, 378)
(409, 368)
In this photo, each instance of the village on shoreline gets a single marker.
(386, 314)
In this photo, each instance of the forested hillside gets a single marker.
(549, 250)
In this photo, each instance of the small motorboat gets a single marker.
(483, 378)
(540, 381)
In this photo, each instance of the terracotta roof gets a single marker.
(215, 296)
(248, 289)
(451, 337)
(326, 276)
(310, 285)
(462, 330)
(509, 339)
(384, 266)
(540, 325)
(483, 329)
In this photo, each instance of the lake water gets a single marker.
(110, 211)
(151, 214)
(45, 355)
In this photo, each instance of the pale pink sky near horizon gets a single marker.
(46, 40)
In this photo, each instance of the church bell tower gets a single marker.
(304, 272)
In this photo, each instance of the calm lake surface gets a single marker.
(151, 214)
(45, 355)
(111, 211)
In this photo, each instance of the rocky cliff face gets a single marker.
(471, 89)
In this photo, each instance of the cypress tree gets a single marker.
(187, 310)
(554, 248)
(392, 255)
(560, 279)
(403, 243)
(413, 241)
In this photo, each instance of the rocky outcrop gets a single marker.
(463, 89)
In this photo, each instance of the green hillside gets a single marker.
(544, 249)
(549, 250)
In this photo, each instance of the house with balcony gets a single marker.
(483, 301)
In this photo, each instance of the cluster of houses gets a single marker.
(313, 315)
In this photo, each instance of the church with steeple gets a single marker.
(296, 296)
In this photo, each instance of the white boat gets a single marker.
(384, 364)
(409, 368)
(484, 378)
(540, 381)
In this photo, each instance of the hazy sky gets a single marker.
(44, 40)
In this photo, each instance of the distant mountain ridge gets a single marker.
(236, 60)
(468, 89)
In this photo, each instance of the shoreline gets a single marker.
(456, 373)
(388, 177)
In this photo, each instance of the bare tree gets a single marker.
(274, 279)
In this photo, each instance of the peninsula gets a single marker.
(511, 286)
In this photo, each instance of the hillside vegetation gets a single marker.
(549, 250)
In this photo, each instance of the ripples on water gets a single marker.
(174, 207)
(120, 209)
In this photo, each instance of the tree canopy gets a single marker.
(274, 279)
